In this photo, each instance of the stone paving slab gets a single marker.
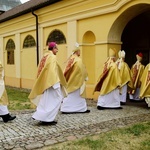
(23, 133)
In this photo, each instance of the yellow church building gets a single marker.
(96, 25)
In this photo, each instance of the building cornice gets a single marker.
(83, 14)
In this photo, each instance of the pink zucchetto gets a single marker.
(51, 45)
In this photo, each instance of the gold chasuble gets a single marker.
(145, 82)
(109, 79)
(125, 74)
(3, 93)
(136, 73)
(76, 75)
(49, 73)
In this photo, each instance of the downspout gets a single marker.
(37, 37)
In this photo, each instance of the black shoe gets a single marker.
(102, 108)
(123, 103)
(8, 117)
(136, 101)
(117, 108)
(11, 118)
(67, 112)
(33, 118)
(49, 123)
(87, 111)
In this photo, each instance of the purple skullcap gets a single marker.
(51, 45)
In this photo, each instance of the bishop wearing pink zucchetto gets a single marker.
(49, 88)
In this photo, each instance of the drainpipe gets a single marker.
(37, 37)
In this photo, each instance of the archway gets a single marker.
(136, 38)
(131, 31)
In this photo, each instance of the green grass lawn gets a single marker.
(18, 99)
(134, 137)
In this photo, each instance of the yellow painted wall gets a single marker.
(62, 48)
(69, 8)
(89, 59)
(12, 81)
(28, 58)
(62, 55)
(28, 62)
(92, 21)
(10, 69)
(88, 55)
(16, 24)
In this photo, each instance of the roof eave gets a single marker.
(29, 10)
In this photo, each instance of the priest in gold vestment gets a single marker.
(108, 84)
(136, 73)
(76, 75)
(145, 85)
(4, 112)
(125, 73)
(49, 88)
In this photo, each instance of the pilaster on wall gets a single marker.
(17, 55)
(71, 36)
(41, 43)
(1, 50)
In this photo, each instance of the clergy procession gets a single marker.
(55, 90)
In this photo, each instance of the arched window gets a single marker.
(10, 47)
(56, 36)
(29, 42)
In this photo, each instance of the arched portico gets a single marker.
(120, 23)
(131, 30)
(136, 38)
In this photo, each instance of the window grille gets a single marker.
(10, 47)
(56, 36)
(29, 42)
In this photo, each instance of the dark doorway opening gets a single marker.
(136, 38)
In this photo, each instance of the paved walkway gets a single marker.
(24, 133)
